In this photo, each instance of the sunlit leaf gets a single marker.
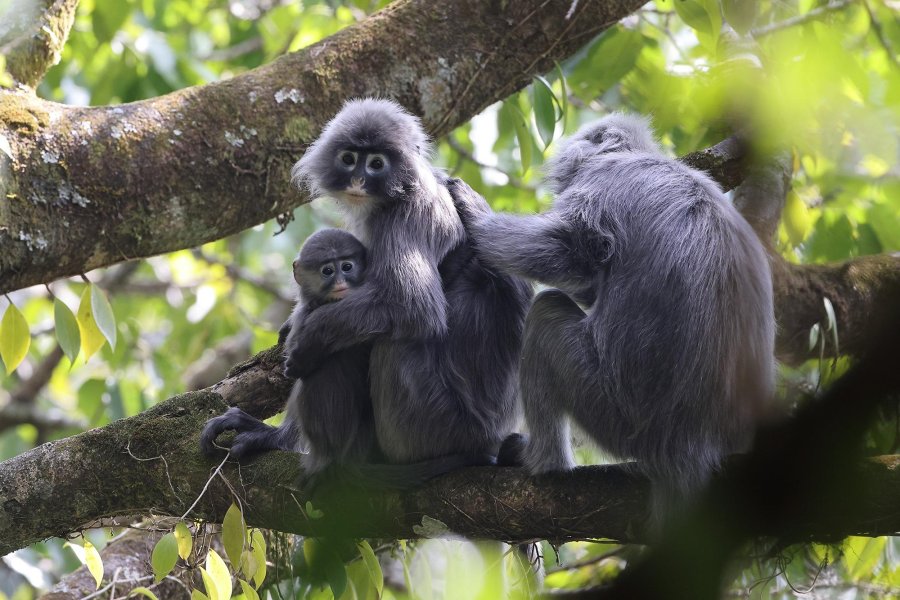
(92, 339)
(234, 533)
(103, 315)
(796, 218)
(258, 543)
(372, 565)
(184, 539)
(93, 562)
(218, 571)
(702, 15)
(15, 338)
(142, 591)
(210, 585)
(832, 324)
(248, 590)
(164, 556)
(67, 332)
(563, 95)
(198, 595)
(608, 59)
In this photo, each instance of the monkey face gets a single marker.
(361, 174)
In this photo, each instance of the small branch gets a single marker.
(513, 180)
(241, 274)
(801, 19)
(882, 38)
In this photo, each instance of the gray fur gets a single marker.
(329, 414)
(445, 330)
(673, 364)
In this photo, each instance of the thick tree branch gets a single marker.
(151, 463)
(88, 187)
(32, 37)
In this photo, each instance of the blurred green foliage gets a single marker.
(821, 80)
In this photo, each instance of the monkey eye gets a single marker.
(347, 158)
(346, 267)
(327, 271)
(376, 163)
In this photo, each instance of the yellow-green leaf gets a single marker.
(218, 571)
(210, 584)
(164, 556)
(234, 532)
(142, 591)
(372, 565)
(15, 338)
(796, 218)
(184, 539)
(93, 562)
(103, 315)
(91, 336)
(67, 333)
(248, 590)
(258, 543)
(198, 595)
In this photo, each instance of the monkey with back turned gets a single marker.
(674, 361)
(329, 412)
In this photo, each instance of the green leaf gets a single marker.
(108, 17)
(258, 545)
(248, 590)
(164, 556)
(218, 571)
(210, 584)
(563, 95)
(702, 15)
(142, 591)
(184, 539)
(523, 133)
(607, 60)
(67, 333)
(15, 338)
(103, 315)
(234, 533)
(312, 512)
(372, 565)
(93, 562)
(336, 573)
(198, 595)
(813, 336)
(796, 218)
(544, 109)
(740, 14)
(91, 336)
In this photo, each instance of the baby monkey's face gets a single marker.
(330, 280)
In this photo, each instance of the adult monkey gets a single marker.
(445, 330)
(673, 364)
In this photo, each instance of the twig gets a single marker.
(206, 486)
(513, 180)
(879, 33)
(800, 19)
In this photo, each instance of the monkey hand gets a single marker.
(469, 204)
(283, 332)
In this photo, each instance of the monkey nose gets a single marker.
(356, 182)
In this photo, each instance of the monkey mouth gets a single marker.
(355, 192)
(338, 293)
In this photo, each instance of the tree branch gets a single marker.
(32, 40)
(91, 186)
(151, 463)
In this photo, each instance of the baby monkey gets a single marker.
(330, 412)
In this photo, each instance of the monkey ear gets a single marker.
(612, 139)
